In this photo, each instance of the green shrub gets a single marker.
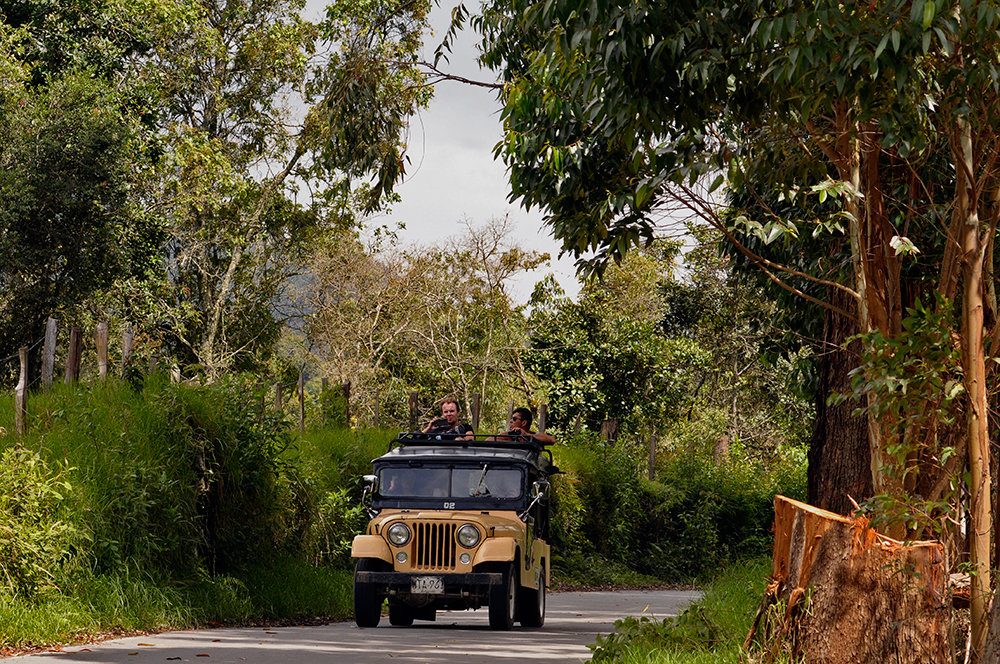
(697, 515)
(338, 519)
(34, 537)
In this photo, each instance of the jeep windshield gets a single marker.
(462, 483)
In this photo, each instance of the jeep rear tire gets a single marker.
(368, 596)
(503, 600)
(531, 603)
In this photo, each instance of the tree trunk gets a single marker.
(839, 454)
(974, 368)
(849, 595)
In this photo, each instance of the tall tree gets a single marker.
(76, 164)
(270, 125)
(612, 112)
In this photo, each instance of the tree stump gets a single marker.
(841, 593)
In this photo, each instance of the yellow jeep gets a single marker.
(455, 524)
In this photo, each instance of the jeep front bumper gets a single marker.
(450, 580)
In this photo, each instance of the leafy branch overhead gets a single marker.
(256, 133)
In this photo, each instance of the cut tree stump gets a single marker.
(841, 593)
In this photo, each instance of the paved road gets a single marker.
(572, 621)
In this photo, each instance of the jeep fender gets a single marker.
(370, 546)
(499, 549)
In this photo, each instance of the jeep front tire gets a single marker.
(368, 596)
(503, 600)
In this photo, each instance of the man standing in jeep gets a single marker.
(448, 423)
(519, 429)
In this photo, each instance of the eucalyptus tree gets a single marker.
(614, 110)
(276, 131)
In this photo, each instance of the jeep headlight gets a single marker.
(468, 536)
(399, 533)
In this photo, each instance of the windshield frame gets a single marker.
(470, 474)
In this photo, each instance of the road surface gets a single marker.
(572, 621)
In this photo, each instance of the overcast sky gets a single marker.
(452, 175)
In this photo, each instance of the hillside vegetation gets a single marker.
(154, 505)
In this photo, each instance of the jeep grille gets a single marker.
(434, 545)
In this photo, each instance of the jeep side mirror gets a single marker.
(539, 491)
(368, 495)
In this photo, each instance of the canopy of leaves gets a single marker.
(73, 170)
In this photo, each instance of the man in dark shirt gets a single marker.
(448, 423)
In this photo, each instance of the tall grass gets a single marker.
(711, 631)
(149, 506)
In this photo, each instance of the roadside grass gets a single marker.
(579, 571)
(287, 591)
(711, 631)
(107, 532)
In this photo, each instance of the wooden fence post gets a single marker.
(128, 345)
(21, 395)
(175, 374)
(609, 430)
(477, 406)
(49, 353)
(542, 408)
(579, 422)
(302, 401)
(346, 391)
(73, 355)
(101, 341)
(652, 456)
(413, 411)
(510, 413)
(278, 403)
(378, 408)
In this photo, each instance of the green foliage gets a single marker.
(567, 515)
(711, 631)
(172, 505)
(697, 515)
(605, 105)
(34, 537)
(606, 356)
(339, 517)
(74, 164)
(333, 406)
(913, 383)
(242, 490)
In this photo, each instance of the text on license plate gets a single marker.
(429, 585)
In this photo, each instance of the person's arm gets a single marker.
(470, 434)
(543, 438)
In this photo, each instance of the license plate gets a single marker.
(427, 585)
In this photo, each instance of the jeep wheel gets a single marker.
(503, 600)
(531, 603)
(400, 615)
(368, 596)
